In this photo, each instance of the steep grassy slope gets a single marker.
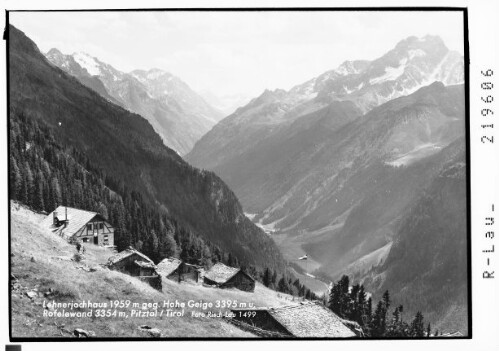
(125, 146)
(41, 263)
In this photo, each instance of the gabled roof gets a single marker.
(76, 219)
(168, 266)
(221, 273)
(309, 320)
(127, 253)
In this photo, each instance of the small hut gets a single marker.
(174, 269)
(132, 262)
(224, 277)
(135, 263)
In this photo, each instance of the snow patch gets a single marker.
(346, 68)
(358, 87)
(88, 62)
(416, 53)
(391, 73)
(419, 152)
(156, 74)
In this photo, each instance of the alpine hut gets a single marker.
(135, 263)
(132, 262)
(74, 224)
(174, 269)
(306, 320)
(224, 276)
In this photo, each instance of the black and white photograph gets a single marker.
(240, 174)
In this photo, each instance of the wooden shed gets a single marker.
(224, 276)
(132, 262)
(174, 269)
(135, 263)
(78, 225)
(306, 320)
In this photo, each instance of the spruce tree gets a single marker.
(282, 286)
(361, 312)
(267, 277)
(38, 194)
(377, 324)
(417, 326)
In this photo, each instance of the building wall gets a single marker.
(240, 281)
(146, 272)
(187, 273)
(128, 266)
(102, 230)
(174, 276)
(154, 281)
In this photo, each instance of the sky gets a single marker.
(234, 53)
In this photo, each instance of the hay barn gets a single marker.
(135, 263)
(225, 277)
(177, 270)
(307, 320)
(78, 225)
(132, 262)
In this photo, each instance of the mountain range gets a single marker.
(177, 113)
(362, 168)
(336, 167)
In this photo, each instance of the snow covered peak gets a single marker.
(88, 62)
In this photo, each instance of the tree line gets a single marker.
(353, 303)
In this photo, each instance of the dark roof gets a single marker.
(309, 320)
(221, 273)
(76, 219)
(168, 266)
(127, 253)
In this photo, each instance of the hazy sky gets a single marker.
(235, 52)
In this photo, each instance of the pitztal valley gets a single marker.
(333, 209)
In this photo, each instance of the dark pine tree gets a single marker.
(417, 328)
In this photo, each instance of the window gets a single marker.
(101, 226)
(90, 227)
(85, 240)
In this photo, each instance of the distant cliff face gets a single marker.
(126, 147)
(178, 114)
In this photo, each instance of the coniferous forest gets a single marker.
(44, 175)
(354, 303)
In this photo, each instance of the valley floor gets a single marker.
(42, 271)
